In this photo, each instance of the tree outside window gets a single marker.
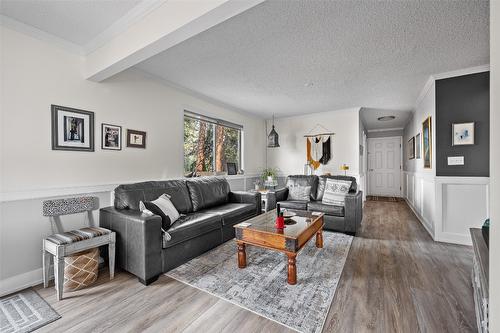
(209, 146)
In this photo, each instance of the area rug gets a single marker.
(25, 311)
(261, 287)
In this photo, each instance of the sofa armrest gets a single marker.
(247, 197)
(353, 211)
(275, 197)
(138, 240)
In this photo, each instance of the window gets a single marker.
(209, 144)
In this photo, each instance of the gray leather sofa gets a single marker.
(208, 208)
(345, 219)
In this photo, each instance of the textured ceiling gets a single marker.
(296, 57)
(76, 21)
(369, 118)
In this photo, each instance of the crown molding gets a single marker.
(130, 18)
(460, 72)
(386, 129)
(36, 33)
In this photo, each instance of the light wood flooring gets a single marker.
(396, 279)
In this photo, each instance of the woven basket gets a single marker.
(80, 269)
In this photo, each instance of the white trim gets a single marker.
(420, 218)
(385, 129)
(427, 86)
(460, 72)
(36, 33)
(22, 281)
(76, 190)
(130, 18)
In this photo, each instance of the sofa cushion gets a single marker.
(335, 192)
(298, 192)
(208, 192)
(192, 225)
(318, 206)
(302, 180)
(294, 204)
(128, 196)
(163, 207)
(232, 213)
(322, 183)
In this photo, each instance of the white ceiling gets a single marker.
(75, 21)
(355, 53)
(369, 117)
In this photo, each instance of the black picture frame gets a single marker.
(76, 124)
(232, 168)
(136, 134)
(104, 145)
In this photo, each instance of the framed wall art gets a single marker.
(463, 134)
(411, 148)
(418, 140)
(136, 139)
(111, 137)
(72, 129)
(427, 142)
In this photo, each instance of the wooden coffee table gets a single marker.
(290, 240)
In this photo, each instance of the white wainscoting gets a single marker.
(419, 193)
(22, 223)
(448, 206)
(461, 203)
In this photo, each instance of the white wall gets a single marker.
(36, 75)
(290, 157)
(446, 206)
(495, 167)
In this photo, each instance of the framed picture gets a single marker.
(111, 137)
(231, 168)
(411, 148)
(427, 142)
(463, 134)
(72, 129)
(136, 139)
(417, 145)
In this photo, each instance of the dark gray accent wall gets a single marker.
(458, 100)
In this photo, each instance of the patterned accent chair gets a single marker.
(62, 244)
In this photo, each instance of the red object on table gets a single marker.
(280, 222)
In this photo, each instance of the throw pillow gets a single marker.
(335, 192)
(163, 207)
(298, 192)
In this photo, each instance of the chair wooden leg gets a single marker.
(111, 260)
(59, 276)
(46, 258)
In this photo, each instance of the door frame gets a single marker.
(368, 186)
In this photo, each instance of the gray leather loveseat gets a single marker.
(337, 218)
(208, 208)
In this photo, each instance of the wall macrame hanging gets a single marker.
(318, 146)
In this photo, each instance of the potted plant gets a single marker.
(269, 175)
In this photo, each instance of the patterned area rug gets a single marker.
(25, 311)
(261, 287)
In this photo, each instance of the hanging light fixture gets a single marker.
(272, 138)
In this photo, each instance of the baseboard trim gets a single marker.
(22, 281)
(420, 219)
(449, 237)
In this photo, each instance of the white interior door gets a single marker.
(384, 166)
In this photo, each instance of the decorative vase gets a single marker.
(270, 179)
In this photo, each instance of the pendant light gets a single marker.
(272, 138)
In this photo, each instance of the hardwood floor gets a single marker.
(396, 279)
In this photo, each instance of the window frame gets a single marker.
(215, 122)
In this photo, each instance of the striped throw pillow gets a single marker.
(335, 192)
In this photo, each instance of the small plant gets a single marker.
(269, 172)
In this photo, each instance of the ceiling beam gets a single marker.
(168, 25)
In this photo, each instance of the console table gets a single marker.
(480, 271)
